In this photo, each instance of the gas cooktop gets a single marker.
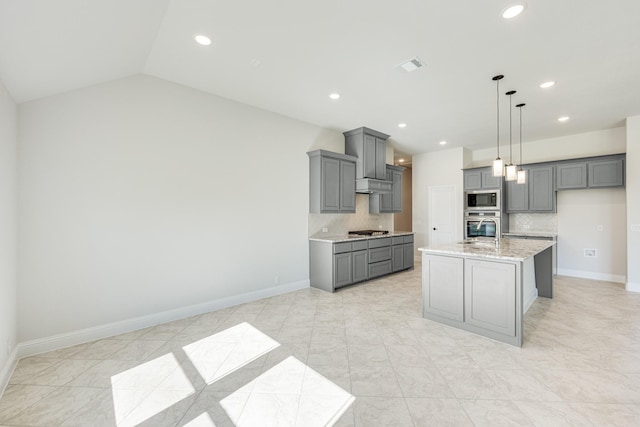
(369, 232)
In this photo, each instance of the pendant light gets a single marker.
(522, 174)
(498, 165)
(511, 170)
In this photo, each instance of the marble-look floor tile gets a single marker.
(368, 355)
(377, 411)
(62, 373)
(554, 414)
(471, 384)
(422, 382)
(522, 385)
(29, 367)
(610, 415)
(494, 413)
(438, 413)
(374, 381)
(18, 398)
(137, 350)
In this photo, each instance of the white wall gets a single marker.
(608, 141)
(633, 203)
(580, 212)
(435, 169)
(8, 226)
(139, 196)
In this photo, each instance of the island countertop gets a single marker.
(509, 249)
(336, 238)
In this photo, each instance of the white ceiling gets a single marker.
(286, 56)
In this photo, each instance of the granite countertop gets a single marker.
(531, 233)
(336, 238)
(509, 249)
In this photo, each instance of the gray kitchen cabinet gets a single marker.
(380, 257)
(370, 147)
(342, 270)
(443, 286)
(397, 253)
(408, 251)
(490, 296)
(606, 173)
(571, 176)
(536, 195)
(332, 182)
(481, 179)
(360, 265)
(389, 202)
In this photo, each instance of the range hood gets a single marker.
(371, 185)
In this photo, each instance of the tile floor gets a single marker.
(311, 353)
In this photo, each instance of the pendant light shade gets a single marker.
(522, 174)
(498, 165)
(511, 169)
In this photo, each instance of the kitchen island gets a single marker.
(483, 288)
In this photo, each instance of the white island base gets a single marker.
(483, 289)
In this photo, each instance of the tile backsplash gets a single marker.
(342, 223)
(533, 222)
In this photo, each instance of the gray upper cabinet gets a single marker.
(594, 172)
(536, 195)
(481, 179)
(606, 173)
(332, 182)
(370, 147)
(389, 202)
(571, 175)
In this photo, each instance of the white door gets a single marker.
(444, 219)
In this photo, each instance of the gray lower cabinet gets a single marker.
(490, 296)
(481, 179)
(334, 265)
(536, 195)
(332, 182)
(389, 202)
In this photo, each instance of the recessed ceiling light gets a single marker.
(334, 96)
(563, 119)
(513, 10)
(202, 39)
(402, 125)
(401, 160)
(443, 142)
(546, 85)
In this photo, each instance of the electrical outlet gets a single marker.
(590, 253)
(379, 227)
(325, 229)
(599, 227)
(526, 226)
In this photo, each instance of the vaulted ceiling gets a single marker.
(287, 56)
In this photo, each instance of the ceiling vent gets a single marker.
(411, 65)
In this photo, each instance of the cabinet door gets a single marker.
(347, 186)
(386, 200)
(360, 265)
(518, 196)
(443, 286)
(541, 192)
(490, 296)
(408, 255)
(342, 270)
(571, 175)
(369, 162)
(489, 181)
(381, 158)
(330, 184)
(606, 173)
(472, 180)
(397, 257)
(396, 204)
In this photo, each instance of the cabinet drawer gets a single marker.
(378, 243)
(339, 248)
(379, 254)
(360, 245)
(379, 269)
(408, 239)
(397, 240)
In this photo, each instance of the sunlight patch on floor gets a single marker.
(148, 389)
(290, 393)
(202, 420)
(225, 352)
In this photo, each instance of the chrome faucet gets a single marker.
(497, 239)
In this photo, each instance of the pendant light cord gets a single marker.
(520, 137)
(510, 133)
(498, 117)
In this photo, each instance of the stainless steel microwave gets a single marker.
(482, 200)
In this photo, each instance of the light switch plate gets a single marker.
(635, 227)
(599, 227)
(590, 253)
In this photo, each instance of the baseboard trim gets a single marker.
(7, 370)
(55, 342)
(632, 287)
(591, 275)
